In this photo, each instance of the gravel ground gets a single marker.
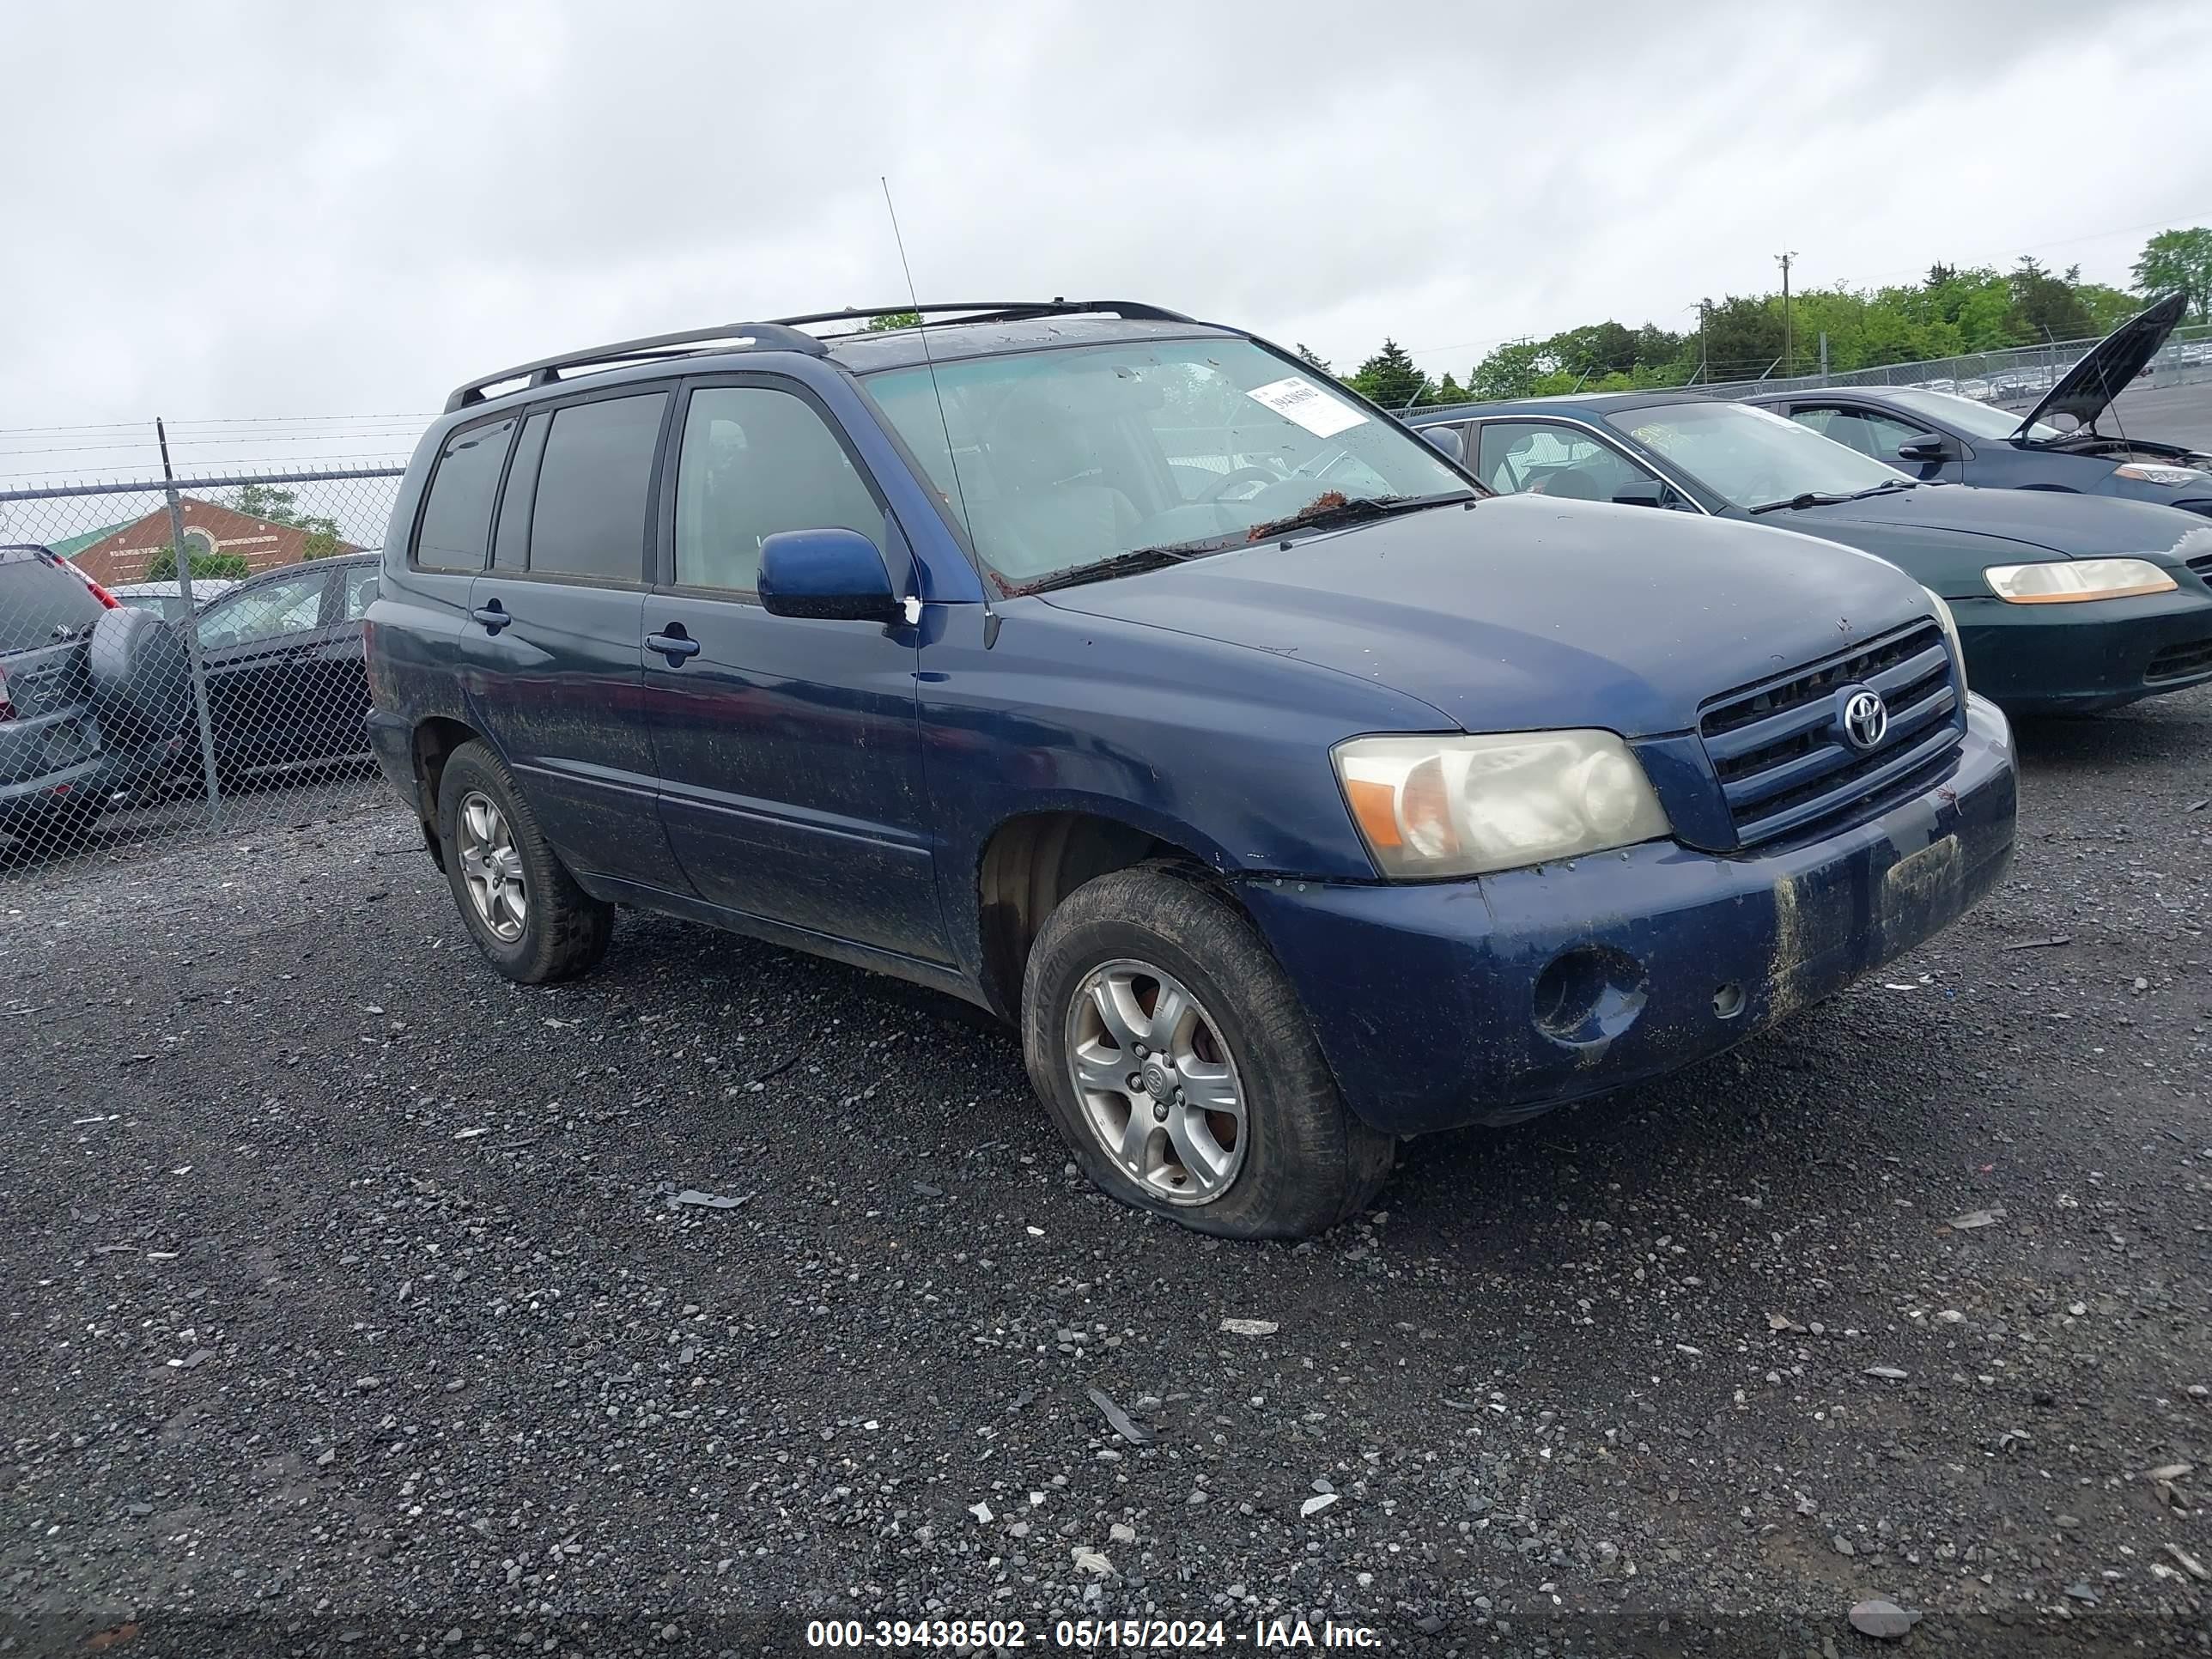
(347, 1304)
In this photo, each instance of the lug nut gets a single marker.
(1136, 1083)
(1159, 1111)
(1141, 1051)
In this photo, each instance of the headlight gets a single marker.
(2067, 582)
(2151, 473)
(1461, 806)
(1949, 625)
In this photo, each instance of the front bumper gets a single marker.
(1444, 1004)
(2077, 658)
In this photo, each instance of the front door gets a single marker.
(259, 645)
(790, 761)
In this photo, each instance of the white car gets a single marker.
(165, 599)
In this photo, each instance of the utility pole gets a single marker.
(1705, 360)
(1789, 357)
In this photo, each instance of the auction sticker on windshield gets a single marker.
(1308, 405)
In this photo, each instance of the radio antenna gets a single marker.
(951, 457)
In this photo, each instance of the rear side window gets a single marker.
(457, 518)
(510, 548)
(40, 603)
(589, 519)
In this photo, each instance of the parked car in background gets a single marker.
(1931, 436)
(282, 651)
(2068, 603)
(1126, 676)
(166, 599)
(87, 694)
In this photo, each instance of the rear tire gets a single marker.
(1285, 1159)
(521, 907)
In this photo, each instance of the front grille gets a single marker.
(2201, 564)
(2178, 662)
(1779, 749)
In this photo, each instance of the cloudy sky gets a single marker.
(224, 211)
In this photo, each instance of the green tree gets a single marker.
(2044, 306)
(271, 503)
(891, 319)
(1388, 377)
(206, 567)
(1446, 391)
(2179, 260)
(1308, 354)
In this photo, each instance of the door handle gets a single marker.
(673, 644)
(492, 615)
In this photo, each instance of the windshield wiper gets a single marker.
(1830, 498)
(1809, 498)
(1328, 511)
(1121, 564)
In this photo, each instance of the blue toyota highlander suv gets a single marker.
(1126, 676)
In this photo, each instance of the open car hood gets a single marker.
(2108, 367)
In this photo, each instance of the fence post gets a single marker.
(190, 626)
(1824, 354)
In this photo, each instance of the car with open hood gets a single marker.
(1126, 676)
(2065, 603)
(2060, 444)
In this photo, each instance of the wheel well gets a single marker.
(1034, 862)
(435, 739)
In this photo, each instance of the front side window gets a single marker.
(1063, 459)
(1750, 457)
(269, 612)
(592, 485)
(1541, 457)
(756, 462)
(457, 518)
(1878, 435)
(359, 592)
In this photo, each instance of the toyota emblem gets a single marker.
(1866, 719)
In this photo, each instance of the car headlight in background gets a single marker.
(1443, 805)
(2068, 581)
(2151, 472)
(1949, 625)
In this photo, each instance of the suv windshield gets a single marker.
(40, 602)
(1751, 456)
(1073, 456)
(1975, 419)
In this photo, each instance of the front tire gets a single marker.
(521, 907)
(1178, 1063)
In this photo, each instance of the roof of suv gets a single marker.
(984, 329)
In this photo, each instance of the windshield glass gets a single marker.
(1747, 454)
(1071, 457)
(1975, 419)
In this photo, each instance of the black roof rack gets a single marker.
(773, 337)
(782, 334)
(998, 311)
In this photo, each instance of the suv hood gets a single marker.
(2109, 366)
(1527, 612)
(2054, 522)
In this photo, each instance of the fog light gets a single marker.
(1591, 993)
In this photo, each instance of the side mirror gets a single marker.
(830, 574)
(1923, 449)
(1446, 441)
(1650, 493)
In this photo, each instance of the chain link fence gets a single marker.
(2018, 376)
(183, 657)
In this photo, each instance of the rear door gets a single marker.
(789, 756)
(554, 631)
